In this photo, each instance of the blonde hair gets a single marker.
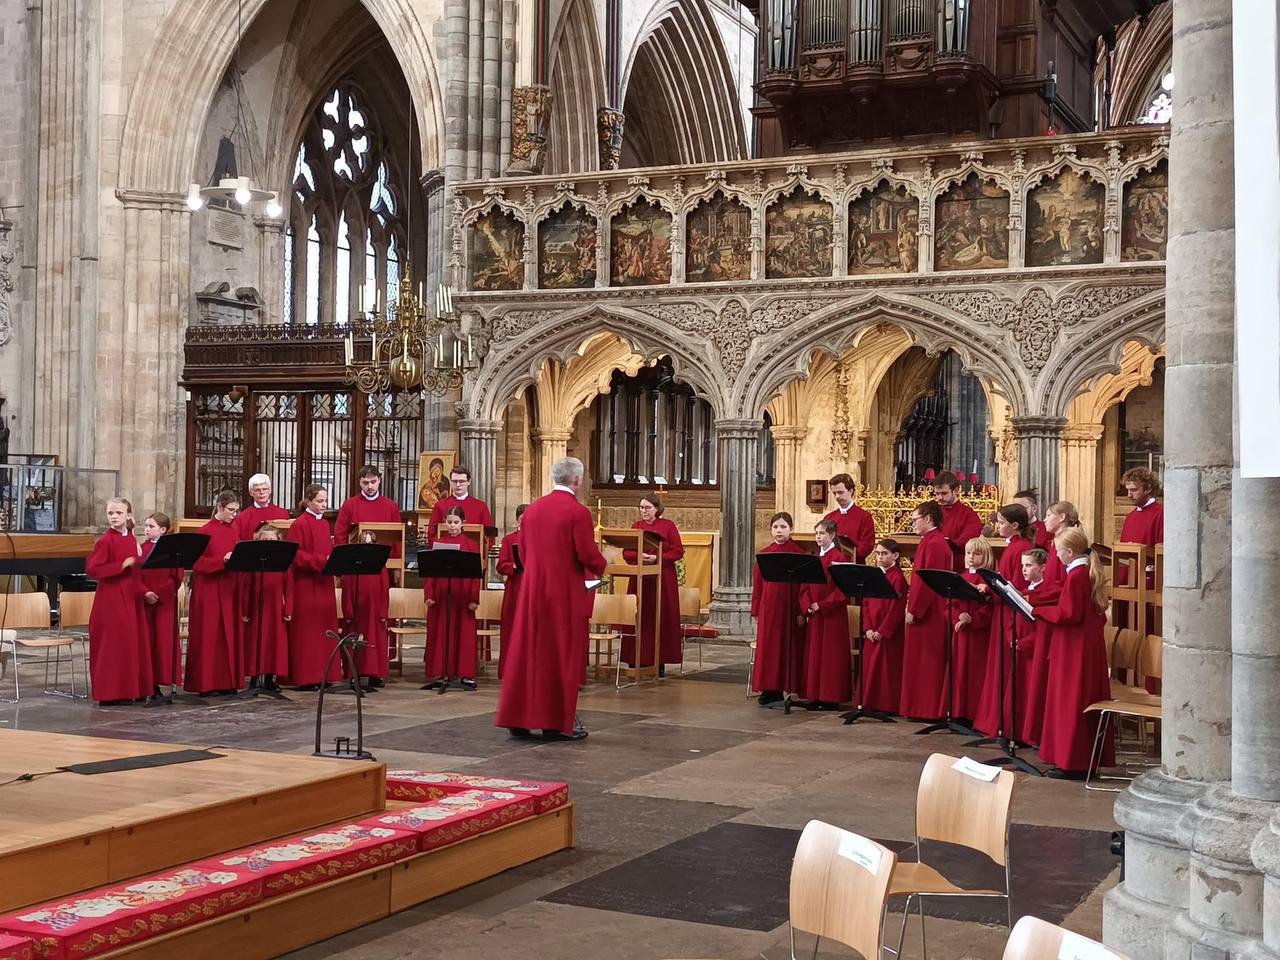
(979, 545)
(266, 532)
(1077, 541)
(1066, 509)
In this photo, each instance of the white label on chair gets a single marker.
(979, 771)
(1078, 948)
(861, 851)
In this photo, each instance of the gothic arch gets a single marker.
(1137, 369)
(577, 87)
(1142, 49)
(186, 62)
(565, 388)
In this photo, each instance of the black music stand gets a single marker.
(176, 551)
(448, 564)
(790, 568)
(860, 582)
(950, 586)
(349, 559)
(1003, 589)
(371, 566)
(258, 557)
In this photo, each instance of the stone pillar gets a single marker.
(1078, 480)
(1164, 811)
(787, 441)
(1039, 442)
(548, 447)
(271, 268)
(730, 607)
(479, 442)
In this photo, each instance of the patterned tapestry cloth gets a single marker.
(291, 864)
(16, 948)
(115, 916)
(458, 816)
(426, 785)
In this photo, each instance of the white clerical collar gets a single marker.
(1032, 586)
(973, 569)
(318, 516)
(827, 549)
(462, 497)
(124, 532)
(1078, 561)
(376, 496)
(844, 510)
(561, 486)
(1150, 501)
(261, 506)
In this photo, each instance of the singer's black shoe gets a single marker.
(468, 683)
(555, 735)
(768, 697)
(519, 733)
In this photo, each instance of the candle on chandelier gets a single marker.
(440, 351)
(373, 345)
(366, 298)
(470, 352)
(457, 354)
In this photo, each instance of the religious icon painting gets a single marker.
(1144, 221)
(640, 245)
(972, 227)
(884, 231)
(567, 249)
(798, 236)
(718, 241)
(1064, 221)
(496, 256)
(433, 477)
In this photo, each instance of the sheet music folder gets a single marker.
(1008, 593)
(515, 558)
(357, 559)
(262, 556)
(174, 550)
(945, 583)
(450, 565)
(791, 568)
(859, 580)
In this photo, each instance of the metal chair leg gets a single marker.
(924, 952)
(902, 931)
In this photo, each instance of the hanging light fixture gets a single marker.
(242, 190)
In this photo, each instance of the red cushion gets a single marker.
(16, 948)
(457, 816)
(425, 785)
(127, 913)
(291, 864)
(708, 632)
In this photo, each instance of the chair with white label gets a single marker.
(961, 802)
(839, 889)
(1036, 939)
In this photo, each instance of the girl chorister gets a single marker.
(667, 616)
(268, 610)
(1014, 525)
(882, 637)
(315, 612)
(119, 645)
(511, 566)
(924, 684)
(779, 660)
(451, 615)
(159, 604)
(1058, 517)
(971, 632)
(365, 606)
(215, 648)
(827, 662)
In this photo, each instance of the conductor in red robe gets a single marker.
(474, 509)
(119, 652)
(511, 567)
(315, 605)
(959, 523)
(852, 522)
(544, 665)
(215, 644)
(924, 655)
(368, 506)
(260, 509)
(779, 660)
(667, 616)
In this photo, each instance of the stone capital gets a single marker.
(1032, 427)
(785, 434)
(152, 200)
(478, 428)
(1082, 433)
(548, 435)
(738, 429)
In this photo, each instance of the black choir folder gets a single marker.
(791, 568)
(446, 562)
(262, 556)
(948, 585)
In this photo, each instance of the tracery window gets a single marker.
(347, 190)
(1159, 108)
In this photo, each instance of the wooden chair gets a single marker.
(839, 889)
(608, 612)
(1131, 703)
(957, 808)
(25, 611)
(693, 623)
(488, 612)
(403, 606)
(74, 608)
(1036, 939)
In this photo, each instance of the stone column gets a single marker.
(479, 443)
(1039, 441)
(787, 441)
(1078, 480)
(1164, 811)
(548, 447)
(271, 268)
(730, 606)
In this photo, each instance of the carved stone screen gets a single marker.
(718, 241)
(884, 231)
(640, 245)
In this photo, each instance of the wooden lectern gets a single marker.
(391, 535)
(648, 577)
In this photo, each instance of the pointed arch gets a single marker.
(577, 87)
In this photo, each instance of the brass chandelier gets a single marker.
(412, 347)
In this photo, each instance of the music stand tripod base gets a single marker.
(788, 703)
(949, 725)
(859, 713)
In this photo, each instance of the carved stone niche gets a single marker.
(217, 304)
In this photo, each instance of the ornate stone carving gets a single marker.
(6, 282)
(609, 124)
(530, 121)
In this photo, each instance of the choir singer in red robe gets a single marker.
(369, 506)
(924, 656)
(260, 510)
(667, 618)
(779, 660)
(474, 509)
(882, 641)
(315, 606)
(544, 665)
(828, 680)
(119, 652)
(159, 598)
(508, 567)
(959, 523)
(215, 647)
(852, 522)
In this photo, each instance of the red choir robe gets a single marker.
(882, 659)
(315, 608)
(959, 525)
(1042, 537)
(1078, 676)
(451, 623)
(475, 510)
(669, 616)
(161, 616)
(215, 645)
(507, 567)
(546, 656)
(996, 678)
(366, 603)
(856, 525)
(924, 653)
(1046, 594)
(776, 607)
(969, 650)
(253, 516)
(268, 601)
(827, 661)
(360, 509)
(119, 641)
